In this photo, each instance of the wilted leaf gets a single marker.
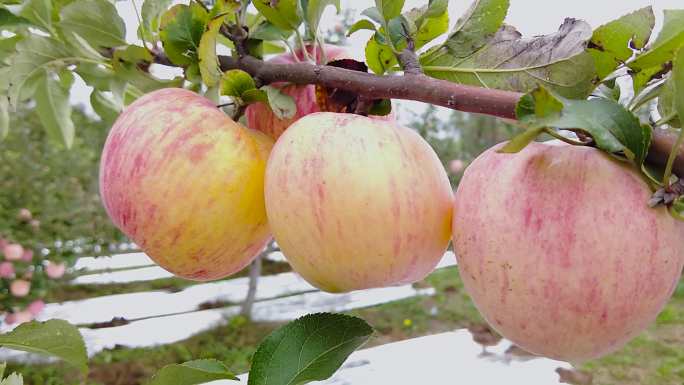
(308, 349)
(192, 373)
(286, 14)
(610, 43)
(558, 61)
(236, 82)
(314, 10)
(379, 57)
(389, 9)
(55, 338)
(655, 60)
(282, 105)
(182, 27)
(361, 24)
(150, 13)
(54, 110)
(208, 61)
(97, 21)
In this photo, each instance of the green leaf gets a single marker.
(381, 107)
(521, 140)
(106, 108)
(286, 14)
(84, 49)
(655, 60)
(4, 117)
(150, 14)
(192, 372)
(9, 20)
(97, 76)
(379, 57)
(127, 62)
(208, 61)
(182, 27)
(666, 103)
(54, 110)
(475, 28)
(282, 105)
(38, 12)
(429, 23)
(236, 82)
(254, 96)
(13, 379)
(361, 24)
(96, 21)
(614, 128)
(374, 14)
(34, 55)
(55, 338)
(678, 82)
(610, 43)
(511, 63)
(389, 9)
(308, 349)
(269, 31)
(8, 46)
(315, 9)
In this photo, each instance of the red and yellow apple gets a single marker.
(356, 203)
(185, 182)
(260, 116)
(559, 250)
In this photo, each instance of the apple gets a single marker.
(260, 116)
(356, 203)
(559, 250)
(36, 307)
(185, 183)
(6, 270)
(13, 251)
(20, 288)
(55, 270)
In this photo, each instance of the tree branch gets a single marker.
(417, 87)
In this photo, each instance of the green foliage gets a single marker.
(285, 14)
(54, 110)
(150, 13)
(94, 20)
(54, 338)
(208, 61)
(310, 348)
(614, 129)
(182, 27)
(314, 9)
(192, 372)
(610, 43)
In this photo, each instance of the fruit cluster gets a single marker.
(556, 244)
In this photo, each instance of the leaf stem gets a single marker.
(671, 158)
(305, 52)
(560, 137)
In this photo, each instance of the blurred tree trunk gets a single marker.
(254, 274)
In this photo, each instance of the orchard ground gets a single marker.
(655, 357)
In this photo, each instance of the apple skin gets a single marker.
(559, 250)
(185, 183)
(260, 116)
(357, 203)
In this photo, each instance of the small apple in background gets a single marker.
(185, 183)
(36, 307)
(20, 288)
(55, 270)
(13, 251)
(356, 203)
(259, 115)
(24, 215)
(559, 250)
(6, 270)
(27, 255)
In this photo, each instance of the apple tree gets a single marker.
(204, 168)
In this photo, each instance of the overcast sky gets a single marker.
(531, 17)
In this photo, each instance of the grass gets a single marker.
(655, 357)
